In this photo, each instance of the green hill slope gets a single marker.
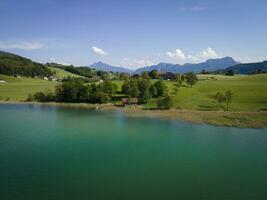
(61, 73)
(250, 93)
(18, 89)
(248, 68)
(11, 64)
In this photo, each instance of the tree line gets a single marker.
(75, 91)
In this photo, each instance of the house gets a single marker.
(129, 101)
(53, 78)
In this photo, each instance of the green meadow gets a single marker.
(60, 73)
(249, 91)
(17, 89)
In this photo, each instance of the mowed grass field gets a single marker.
(18, 89)
(249, 91)
(60, 73)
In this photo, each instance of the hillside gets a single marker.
(61, 73)
(247, 68)
(78, 71)
(11, 64)
(18, 89)
(200, 97)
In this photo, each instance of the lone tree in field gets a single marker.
(228, 98)
(224, 98)
(191, 78)
(220, 99)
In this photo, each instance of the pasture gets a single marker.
(249, 91)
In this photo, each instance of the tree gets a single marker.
(183, 78)
(99, 97)
(124, 76)
(204, 71)
(125, 87)
(228, 99)
(154, 74)
(224, 98)
(72, 91)
(162, 89)
(191, 78)
(153, 91)
(42, 96)
(133, 90)
(230, 73)
(144, 86)
(109, 87)
(220, 99)
(145, 75)
(130, 88)
(164, 103)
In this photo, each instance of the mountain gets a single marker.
(12, 64)
(247, 68)
(209, 65)
(109, 68)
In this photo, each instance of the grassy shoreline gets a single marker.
(217, 118)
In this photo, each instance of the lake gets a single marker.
(54, 153)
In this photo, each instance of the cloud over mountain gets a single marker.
(98, 51)
(180, 56)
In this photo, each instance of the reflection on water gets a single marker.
(50, 152)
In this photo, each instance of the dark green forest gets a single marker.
(11, 64)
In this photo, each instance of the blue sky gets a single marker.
(134, 33)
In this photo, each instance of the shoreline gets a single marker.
(216, 118)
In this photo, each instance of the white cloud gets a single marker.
(23, 45)
(180, 56)
(176, 54)
(136, 63)
(98, 51)
(247, 59)
(53, 60)
(208, 53)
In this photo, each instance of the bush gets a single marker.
(43, 97)
(230, 73)
(30, 98)
(162, 89)
(164, 103)
(99, 97)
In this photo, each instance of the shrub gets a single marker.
(164, 103)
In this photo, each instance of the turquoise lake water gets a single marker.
(52, 153)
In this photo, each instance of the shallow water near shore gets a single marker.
(50, 152)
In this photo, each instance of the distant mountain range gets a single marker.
(209, 65)
(109, 68)
(12, 64)
(247, 68)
